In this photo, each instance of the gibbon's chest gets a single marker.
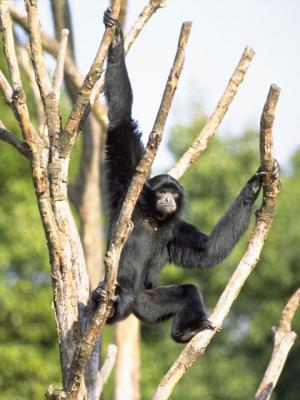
(148, 241)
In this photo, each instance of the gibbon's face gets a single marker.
(166, 202)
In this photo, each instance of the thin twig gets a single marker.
(284, 339)
(145, 15)
(24, 62)
(197, 346)
(106, 369)
(59, 70)
(10, 138)
(211, 126)
(124, 226)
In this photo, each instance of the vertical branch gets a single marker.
(284, 339)
(197, 346)
(62, 20)
(127, 371)
(41, 74)
(59, 70)
(25, 64)
(18, 100)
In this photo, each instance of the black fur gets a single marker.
(155, 242)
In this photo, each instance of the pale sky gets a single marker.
(220, 31)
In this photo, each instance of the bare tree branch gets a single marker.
(59, 70)
(62, 20)
(145, 15)
(197, 346)
(6, 89)
(284, 339)
(211, 126)
(41, 74)
(80, 108)
(106, 368)
(122, 14)
(72, 74)
(10, 138)
(18, 99)
(24, 62)
(125, 225)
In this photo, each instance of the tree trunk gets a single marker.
(127, 378)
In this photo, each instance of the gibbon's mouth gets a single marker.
(167, 206)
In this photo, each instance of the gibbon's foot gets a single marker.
(189, 333)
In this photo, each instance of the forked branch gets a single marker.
(197, 346)
(284, 339)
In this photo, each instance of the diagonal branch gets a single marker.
(80, 108)
(10, 138)
(213, 123)
(197, 346)
(125, 225)
(145, 15)
(284, 339)
(6, 89)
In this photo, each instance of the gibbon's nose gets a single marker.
(168, 199)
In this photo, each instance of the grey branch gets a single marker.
(10, 138)
(59, 70)
(18, 100)
(284, 339)
(24, 62)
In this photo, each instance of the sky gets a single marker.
(220, 32)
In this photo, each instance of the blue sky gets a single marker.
(221, 30)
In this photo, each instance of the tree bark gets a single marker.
(284, 339)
